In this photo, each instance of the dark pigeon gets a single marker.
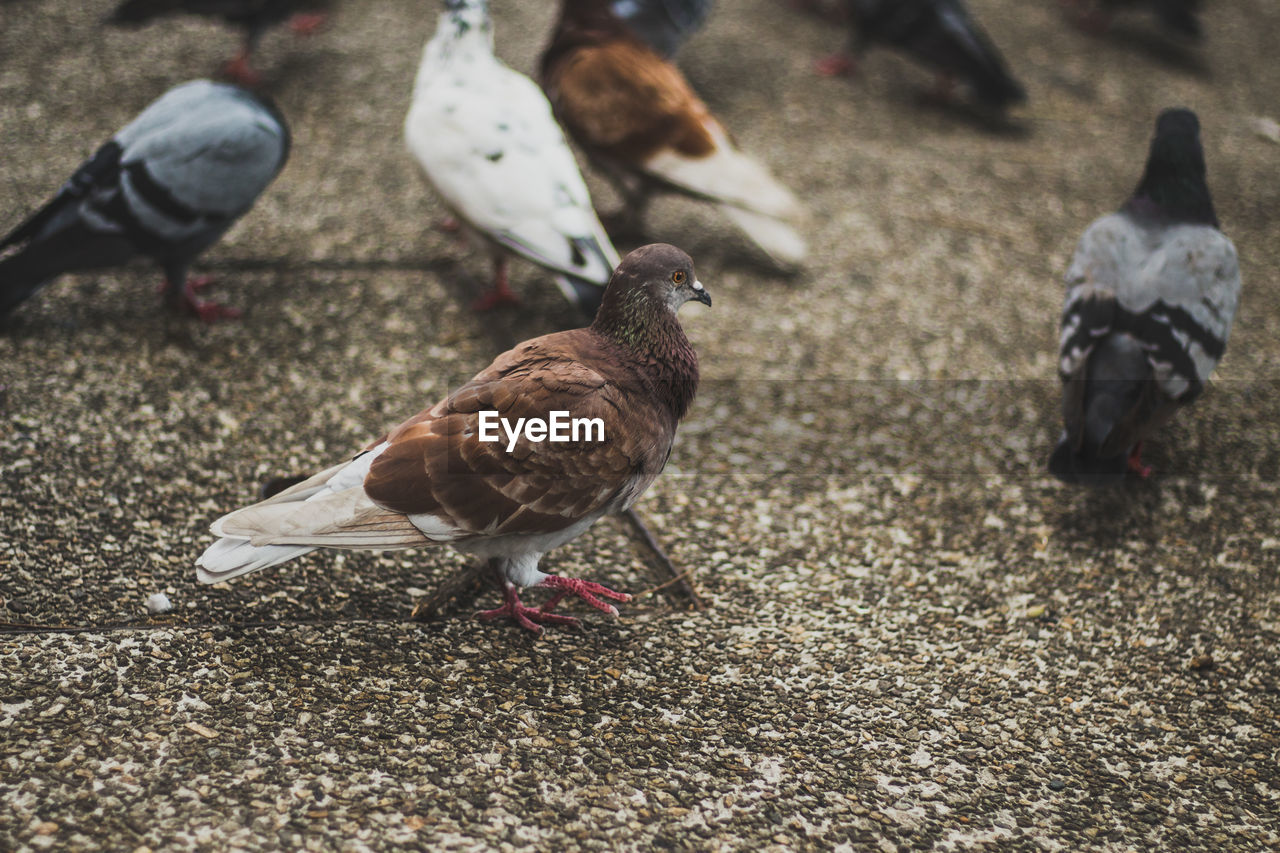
(1176, 16)
(167, 186)
(664, 25)
(939, 34)
(255, 17)
(1151, 294)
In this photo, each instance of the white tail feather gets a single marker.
(727, 175)
(778, 239)
(230, 558)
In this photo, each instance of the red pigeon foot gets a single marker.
(836, 65)
(206, 309)
(501, 294)
(1135, 462)
(524, 615)
(308, 23)
(586, 590)
(239, 70)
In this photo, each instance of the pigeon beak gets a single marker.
(700, 293)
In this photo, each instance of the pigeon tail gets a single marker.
(69, 248)
(230, 557)
(1115, 412)
(1079, 468)
(782, 243)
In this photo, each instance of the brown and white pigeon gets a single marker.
(167, 186)
(939, 34)
(1151, 294)
(441, 477)
(484, 136)
(255, 17)
(637, 117)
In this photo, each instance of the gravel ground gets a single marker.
(914, 638)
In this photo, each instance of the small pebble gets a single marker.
(158, 602)
(1056, 784)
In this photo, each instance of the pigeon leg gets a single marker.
(501, 294)
(651, 542)
(1135, 462)
(308, 23)
(185, 299)
(525, 616)
(840, 64)
(240, 71)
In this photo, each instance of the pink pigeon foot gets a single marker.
(206, 309)
(308, 23)
(525, 616)
(501, 294)
(836, 65)
(1135, 463)
(238, 70)
(586, 590)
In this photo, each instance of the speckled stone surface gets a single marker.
(915, 639)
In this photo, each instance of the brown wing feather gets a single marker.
(623, 100)
(437, 465)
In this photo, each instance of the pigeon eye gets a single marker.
(678, 276)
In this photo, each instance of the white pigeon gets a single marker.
(486, 139)
(1151, 294)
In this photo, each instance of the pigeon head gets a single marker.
(638, 318)
(1173, 184)
(468, 14)
(651, 282)
(648, 287)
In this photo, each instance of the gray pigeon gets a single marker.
(664, 25)
(1151, 293)
(167, 186)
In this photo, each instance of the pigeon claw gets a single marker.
(206, 309)
(500, 295)
(525, 616)
(238, 70)
(586, 590)
(1135, 463)
(308, 23)
(836, 65)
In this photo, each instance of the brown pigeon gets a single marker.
(637, 117)
(485, 470)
